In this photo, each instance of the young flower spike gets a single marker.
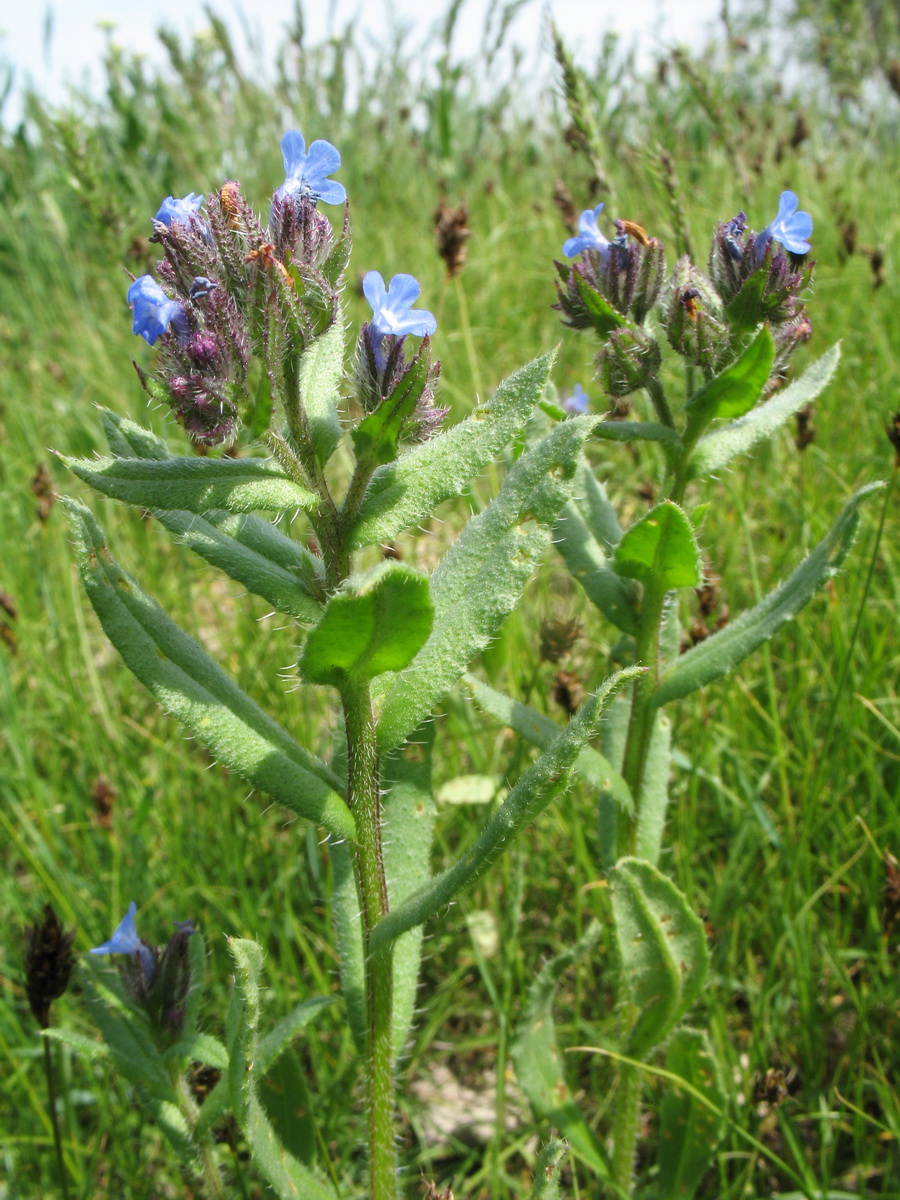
(790, 228)
(154, 312)
(589, 236)
(182, 210)
(307, 172)
(392, 308)
(126, 941)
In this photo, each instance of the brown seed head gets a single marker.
(48, 963)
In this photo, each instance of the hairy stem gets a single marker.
(365, 802)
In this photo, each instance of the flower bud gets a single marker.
(693, 318)
(48, 963)
(628, 361)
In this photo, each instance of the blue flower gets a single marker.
(179, 210)
(307, 173)
(126, 941)
(790, 228)
(392, 309)
(154, 312)
(589, 236)
(576, 404)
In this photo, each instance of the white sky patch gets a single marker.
(75, 46)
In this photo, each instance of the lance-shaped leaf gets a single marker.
(638, 431)
(408, 833)
(734, 392)
(659, 550)
(662, 947)
(544, 780)
(320, 374)
(537, 1059)
(691, 1117)
(481, 578)
(542, 731)
(289, 1177)
(716, 449)
(589, 564)
(250, 550)
(194, 484)
(405, 492)
(655, 791)
(190, 686)
(377, 625)
(376, 437)
(722, 652)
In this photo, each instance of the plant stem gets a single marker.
(54, 1118)
(625, 1128)
(641, 721)
(212, 1176)
(365, 802)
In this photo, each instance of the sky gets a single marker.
(77, 26)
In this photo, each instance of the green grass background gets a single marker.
(788, 795)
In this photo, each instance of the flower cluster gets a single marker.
(231, 292)
(157, 978)
(381, 366)
(752, 278)
(229, 288)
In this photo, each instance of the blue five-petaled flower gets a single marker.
(126, 941)
(589, 236)
(182, 210)
(578, 403)
(307, 172)
(154, 312)
(392, 308)
(790, 228)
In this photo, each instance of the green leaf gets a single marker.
(251, 551)
(537, 1060)
(348, 936)
(289, 1177)
(546, 1171)
(284, 1097)
(689, 1130)
(194, 484)
(589, 564)
(662, 948)
(277, 1040)
(408, 833)
(190, 686)
(716, 449)
(320, 374)
(544, 780)
(736, 390)
(659, 550)
(655, 791)
(721, 653)
(542, 731)
(742, 313)
(638, 431)
(481, 578)
(377, 626)
(376, 437)
(406, 492)
(604, 317)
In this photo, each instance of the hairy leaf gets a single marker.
(190, 686)
(716, 449)
(531, 795)
(481, 578)
(689, 1130)
(662, 947)
(405, 492)
(320, 374)
(659, 550)
(722, 652)
(735, 390)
